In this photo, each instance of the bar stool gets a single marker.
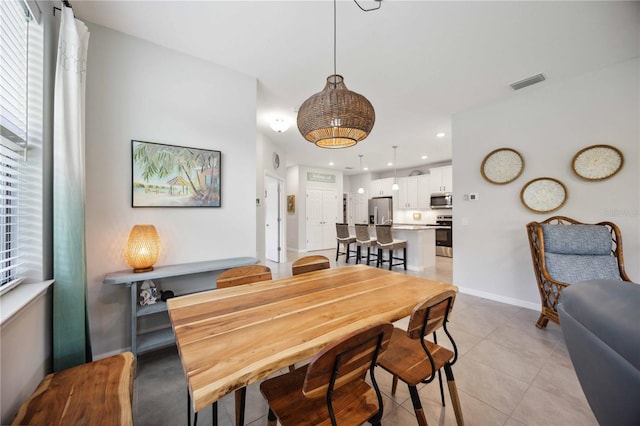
(363, 239)
(386, 242)
(343, 237)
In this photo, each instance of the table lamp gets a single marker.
(143, 248)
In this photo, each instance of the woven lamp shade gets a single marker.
(336, 117)
(143, 248)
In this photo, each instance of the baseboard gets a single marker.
(501, 299)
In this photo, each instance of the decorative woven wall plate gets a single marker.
(502, 166)
(597, 162)
(543, 195)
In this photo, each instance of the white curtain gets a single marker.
(71, 344)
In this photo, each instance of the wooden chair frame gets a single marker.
(550, 289)
(309, 264)
(243, 275)
(339, 367)
(403, 352)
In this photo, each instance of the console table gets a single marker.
(161, 338)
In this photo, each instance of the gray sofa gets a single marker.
(600, 320)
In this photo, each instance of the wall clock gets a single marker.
(543, 195)
(597, 162)
(502, 166)
(276, 160)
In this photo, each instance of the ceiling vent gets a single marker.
(527, 82)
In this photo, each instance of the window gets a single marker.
(21, 100)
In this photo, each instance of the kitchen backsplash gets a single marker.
(426, 216)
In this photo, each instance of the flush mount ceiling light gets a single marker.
(336, 117)
(280, 124)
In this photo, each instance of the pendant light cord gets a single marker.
(334, 38)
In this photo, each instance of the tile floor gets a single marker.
(508, 373)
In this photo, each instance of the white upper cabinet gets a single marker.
(441, 179)
(414, 192)
(381, 187)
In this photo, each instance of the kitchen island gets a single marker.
(421, 244)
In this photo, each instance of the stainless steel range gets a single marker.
(444, 236)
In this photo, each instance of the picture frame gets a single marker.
(175, 176)
(291, 203)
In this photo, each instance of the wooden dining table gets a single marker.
(233, 337)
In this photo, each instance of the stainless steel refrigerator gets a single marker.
(381, 211)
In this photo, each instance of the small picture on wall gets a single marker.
(291, 203)
(174, 176)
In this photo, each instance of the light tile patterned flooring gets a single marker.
(508, 373)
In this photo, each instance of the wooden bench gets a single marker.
(99, 392)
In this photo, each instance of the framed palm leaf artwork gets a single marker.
(174, 176)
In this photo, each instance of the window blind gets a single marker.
(14, 44)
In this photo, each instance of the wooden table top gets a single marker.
(230, 338)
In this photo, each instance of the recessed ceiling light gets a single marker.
(440, 135)
(389, 164)
(424, 157)
(365, 168)
(331, 163)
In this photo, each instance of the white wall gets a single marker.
(138, 90)
(547, 123)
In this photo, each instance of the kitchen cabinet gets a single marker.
(441, 179)
(357, 208)
(414, 192)
(381, 187)
(424, 192)
(408, 192)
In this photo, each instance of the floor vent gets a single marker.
(527, 82)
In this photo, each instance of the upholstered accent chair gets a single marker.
(565, 251)
(600, 321)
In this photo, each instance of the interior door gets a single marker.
(329, 218)
(314, 219)
(272, 219)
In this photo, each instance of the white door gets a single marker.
(322, 215)
(314, 219)
(272, 219)
(329, 218)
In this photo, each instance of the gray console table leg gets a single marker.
(134, 318)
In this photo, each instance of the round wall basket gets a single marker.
(543, 195)
(597, 162)
(502, 166)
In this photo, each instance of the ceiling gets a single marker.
(418, 62)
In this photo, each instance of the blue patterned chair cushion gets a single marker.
(577, 239)
(573, 268)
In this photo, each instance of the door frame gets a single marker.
(280, 214)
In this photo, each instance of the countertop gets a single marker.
(413, 227)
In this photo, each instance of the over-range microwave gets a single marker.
(441, 200)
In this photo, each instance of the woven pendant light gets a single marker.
(336, 117)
